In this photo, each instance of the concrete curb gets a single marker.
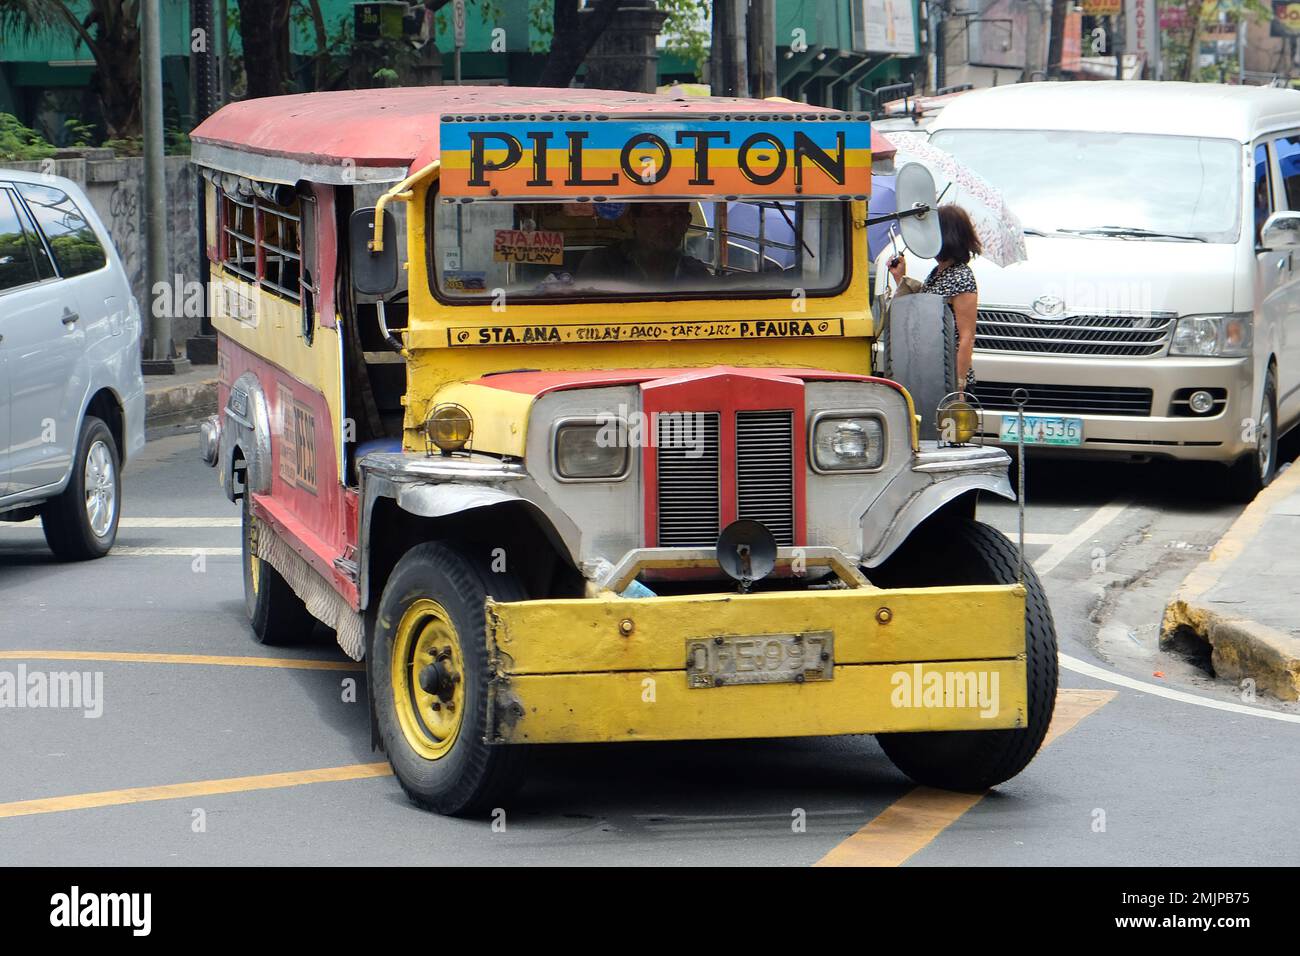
(1241, 647)
(168, 404)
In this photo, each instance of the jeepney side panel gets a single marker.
(260, 333)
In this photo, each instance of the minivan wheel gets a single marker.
(81, 523)
(1253, 472)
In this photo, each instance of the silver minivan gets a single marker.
(71, 392)
(1158, 313)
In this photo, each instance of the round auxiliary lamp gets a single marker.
(959, 419)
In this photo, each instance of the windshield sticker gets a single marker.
(532, 247)
(804, 156)
(464, 281)
(642, 332)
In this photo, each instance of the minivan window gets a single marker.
(1134, 185)
(1263, 195)
(72, 240)
(1288, 161)
(17, 267)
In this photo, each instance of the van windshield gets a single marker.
(637, 250)
(1129, 185)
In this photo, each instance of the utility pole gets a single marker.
(762, 48)
(159, 358)
(201, 349)
(728, 70)
(1056, 39)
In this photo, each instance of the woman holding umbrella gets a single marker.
(952, 279)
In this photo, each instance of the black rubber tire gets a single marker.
(924, 360)
(964, 551)
(1246, 478)
(279, 618)
(64, 519)
(473, 777)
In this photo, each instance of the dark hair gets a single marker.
(959, 240)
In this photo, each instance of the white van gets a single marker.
(71, 392)
(1158, 314)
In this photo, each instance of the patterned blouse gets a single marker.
(952, 281)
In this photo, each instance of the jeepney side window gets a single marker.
(239, 236)
(261, 242)
(307, 279)
(281, 248)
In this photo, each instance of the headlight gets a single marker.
(590, 450)
(449, 427)
(847, 442)
(1216, 335)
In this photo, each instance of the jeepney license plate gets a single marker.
(760, 659)
(1044, 430)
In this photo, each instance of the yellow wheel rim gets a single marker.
(427, 674)
(254, 562)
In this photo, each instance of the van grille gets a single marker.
(1066, 399)
(1111, 335)
(687, 475)
(765, 471)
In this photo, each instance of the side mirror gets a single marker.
(1281, 231)
(373, 273)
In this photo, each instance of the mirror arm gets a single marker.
(402, 192)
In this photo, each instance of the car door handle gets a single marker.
(69, 316)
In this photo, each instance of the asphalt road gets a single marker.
(1152, 762)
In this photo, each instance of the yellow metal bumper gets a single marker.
(602, 670)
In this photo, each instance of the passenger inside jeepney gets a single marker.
(653, 253)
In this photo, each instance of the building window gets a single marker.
(263, 244)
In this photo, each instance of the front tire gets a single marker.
(429, 676)
(964, 551)
(81, 523)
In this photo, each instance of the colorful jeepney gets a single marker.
(557, 406)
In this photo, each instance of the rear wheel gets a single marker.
(81, 523)
(963, 551)
(429, 677)
(277, 614)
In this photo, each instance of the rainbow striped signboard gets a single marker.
(658, 156)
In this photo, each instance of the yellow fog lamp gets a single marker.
(959, 419)
(448, 427)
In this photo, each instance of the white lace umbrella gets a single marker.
(998, 228)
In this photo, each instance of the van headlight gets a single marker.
(1213, 335)
(590, 450)
(847, 441)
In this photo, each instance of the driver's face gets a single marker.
(660, 226)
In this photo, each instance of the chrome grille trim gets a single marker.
(689, 500)
(765, 471)
(1124, 335)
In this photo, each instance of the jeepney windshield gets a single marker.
(631, 250)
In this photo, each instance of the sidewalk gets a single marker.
(1244, 600)
(171, 400)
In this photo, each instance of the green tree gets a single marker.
(110, 32)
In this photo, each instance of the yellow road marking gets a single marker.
(198, 788)
(912, 822)
(126, 657)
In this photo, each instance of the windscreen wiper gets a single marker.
(1133, 231)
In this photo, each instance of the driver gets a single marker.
(653, 253)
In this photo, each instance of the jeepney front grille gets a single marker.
(1131, 336)
(688, 479)
(765, 471)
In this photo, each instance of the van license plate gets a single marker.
(1044, 430)
(760, 659)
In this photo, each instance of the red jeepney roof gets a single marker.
(359, 135)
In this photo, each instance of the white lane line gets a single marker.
(145, 523)
(1067, 544)
(122, 551)
(1058, 553)
(1099, 673)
